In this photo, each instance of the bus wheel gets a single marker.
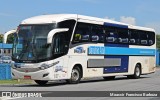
(75, 76)
(40, 82)
(109, 78)
(137, 72)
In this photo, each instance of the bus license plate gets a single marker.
(27, 77)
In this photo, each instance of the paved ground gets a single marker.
(149, 82)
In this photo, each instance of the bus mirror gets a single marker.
(52, 32)
(6, 35)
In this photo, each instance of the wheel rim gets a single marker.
(137, 71)
(75, 75)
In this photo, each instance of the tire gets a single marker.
(40, 82)
(76, 76)
(109, 78)
(137, 73)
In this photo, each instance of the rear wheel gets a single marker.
(137, 72)
(76, 76)
(109, 78)
(40, 82)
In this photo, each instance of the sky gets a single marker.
(144, 13)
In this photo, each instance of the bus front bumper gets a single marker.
(46, 74)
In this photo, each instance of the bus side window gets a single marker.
(143, 38)
(82, 33)
(110, 38)
(85, 36)
(101, 38)
(123, 36)
(151, 38)
(95, 38)
(67, 24)
(60, 46)
(111, 35)
(77, 36)
(134, 37)
(97, 34)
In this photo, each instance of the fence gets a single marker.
(5, 71)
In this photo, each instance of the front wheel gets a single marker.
(76, 76)
(40, 82)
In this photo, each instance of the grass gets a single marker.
(12, 82)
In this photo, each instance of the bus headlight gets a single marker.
(45, 66)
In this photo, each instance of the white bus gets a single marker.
(70, 47)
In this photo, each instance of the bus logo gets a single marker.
(79, 50)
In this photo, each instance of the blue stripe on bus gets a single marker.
(115, 25)
(97, 50)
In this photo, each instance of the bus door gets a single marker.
(59, 50)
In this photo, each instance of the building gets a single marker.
(5, 49)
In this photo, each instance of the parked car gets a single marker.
(6, 59)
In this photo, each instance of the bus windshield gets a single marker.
(30, 43)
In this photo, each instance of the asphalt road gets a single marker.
(150, 82)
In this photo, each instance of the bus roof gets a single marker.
(54, 18)
(42, 19)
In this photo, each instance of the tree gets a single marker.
(10, 38)
(1, 38)
(158, 41)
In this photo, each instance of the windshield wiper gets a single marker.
(23, 51)
(34, 51)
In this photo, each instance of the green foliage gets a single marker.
(1, 38)
(158, 41)
(10, 38)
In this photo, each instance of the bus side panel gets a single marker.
(124, 59)
(152, 64)
(82, 58)
(147, 62)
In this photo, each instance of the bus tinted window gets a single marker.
(143, 37)
(97, 34)
(111, 35)
(151, 38)
(67, 24)
(134, 37)
(122, 36)
(82, 33)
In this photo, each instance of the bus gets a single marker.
(72, 47)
